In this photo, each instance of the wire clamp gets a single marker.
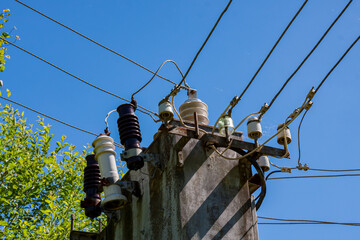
(311, 94)
(285, 169)
(301, 167)
(294, 114)
(308, 105)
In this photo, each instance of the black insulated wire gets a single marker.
(95, 42)
(56, 120)
(299, 143)
(148, 112)
(269, 54)
(201, 48)
(316, 176)
(337, 63)
(321, 83)
(148, 82)
(305, 221)
(309, 54)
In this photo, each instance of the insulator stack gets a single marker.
(130, 135)
(104, 150)
(92, 188)
(191, 105)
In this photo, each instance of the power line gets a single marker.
(334, 170)
(337, 63)
(299, 128)
(305, 221)
(309, 54)
(324, 79)
(171, 61)
(57, 120)
(82, 80)
(201, 48)
(99, 44)
(272, 49)
(318, 176)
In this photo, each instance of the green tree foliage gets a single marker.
(3, 19)
(41, 184)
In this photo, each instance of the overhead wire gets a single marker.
(337, 63)
(307, 56)
(271, 51)
(97, 43)
(199, 51)
(155, 74)
(299, 128)
(148, 112)
(316, 176)
(334, 170)
(317, 89)
(305, 221)
(54, 119)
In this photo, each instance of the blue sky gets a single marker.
(151, 32)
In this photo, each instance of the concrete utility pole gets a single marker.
(188, 191)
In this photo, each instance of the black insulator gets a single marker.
(92, 188)
(130, 135)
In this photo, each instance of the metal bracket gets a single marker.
(132, 187)
(151, 157)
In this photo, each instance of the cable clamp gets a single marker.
(235, 101)
(264, 109)
(285, 169)
(311, 94)
(301, 167)
(308, 105)
(294, 114)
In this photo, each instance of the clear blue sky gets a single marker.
(151, 32)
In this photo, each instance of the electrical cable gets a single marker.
(299, 147)
(82, 80)
(317, 176)
(56, 120)
(95, 42)
(321, 83)
(269, 54)
(171, 61)
(307, 223)
(199, 51)
(304, 221)
(106, 118)
(276, 171)
(334, 170)
(337, 63)
(309, 54)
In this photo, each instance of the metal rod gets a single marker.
(196, 125)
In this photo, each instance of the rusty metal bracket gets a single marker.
(236, 143)
(151, 157)
(132, 187)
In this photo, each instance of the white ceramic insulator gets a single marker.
(165, 111)
(264, 163)
(282, 134)
(192, 105)
(254, 128)
(104, 153)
